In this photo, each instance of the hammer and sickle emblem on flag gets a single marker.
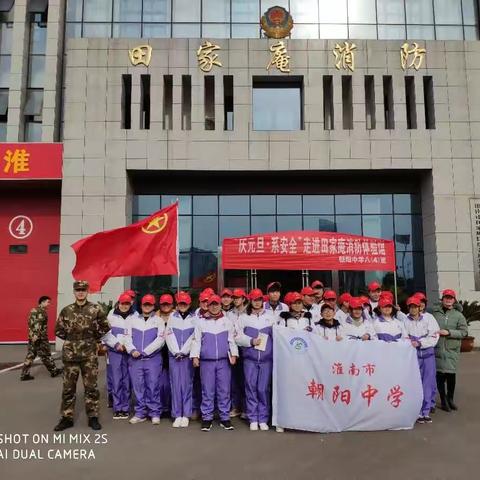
(156, 225)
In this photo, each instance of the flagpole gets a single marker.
(178, 249)
(395, 285)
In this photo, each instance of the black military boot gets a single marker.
(450, 403)
(56, 372)
(26, 377)
(64, 423)
(94, 424)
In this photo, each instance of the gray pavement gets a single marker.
(446, 449)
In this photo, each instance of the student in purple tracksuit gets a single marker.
(144, 340)
(214, 350)
(424, 333)
(118, 357)
(179, 336)
(257, 364)
(387, 327)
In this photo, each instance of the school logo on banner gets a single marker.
(299, 345)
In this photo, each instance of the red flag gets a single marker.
(148, 247)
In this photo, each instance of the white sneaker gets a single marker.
(253, 426)
(155, 420)
(177, 422)
(263, 427)
(135, 420)
(279, 429)
(185, 422)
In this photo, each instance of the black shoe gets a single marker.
(226, 424)
(420, 420)
(94, 424)
(451, 404)
(110, 401)
(118, 415)
(206, 425)
(446, 407)
(124, 414)
(26, 377)
(433, 410)
(56, 372)
(64, 423)
(427, 420)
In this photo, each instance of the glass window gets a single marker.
(391, 11)
(289, 222)
(186, 11)
(186, 30)
(305, 31)
(5, 71)
(380, 226)
(204, 270)
(288, 204)
(347, 204)
(304, 11)
(245, 11)
(34, 103)
(3, 102)
(349, 224)
(97, 10)
(127, 30)
(408, 232)
(205, 205)
(448, 12)
(319, 223)
(3, 131)
(215, 30)
(97, 30)
(245, 30)
(36, 70)
(361, 11)
(419, 11)
(6, 30)
(184, 233)
(38, 39)
(74, 10)
(127, 10)
(205, 233)
(277, 108)
(333, 31)
(362, 31)
(73, 30)
(469, 16)
(415, 32)
(376, 204)
(216, 10)
(449, 33)
(234, 204)
(471, 33)
(156, 10)
(333, 15)
(184, 203)
(33, 132)
(406, 203)
(318, 204)
(263, 224)
(263, 204)
(391, 32)
(184, 266)
(146, 204)
(234, 226)
(156, 30)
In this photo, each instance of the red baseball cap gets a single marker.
(365, 300)
(274, 286)
(148, 299)
(124, 298)
(255, 294)
(239, 292)
(287, 298)
(317, 284)
(344, 298)
(131, 293)
(421, 296)
(413, 301)
(208, 290)
(183, 297)
(329, 295)
(294, 297)
(449, 293)
(204, 296)
(372, 286)
(386, 294)
(166, 298)
(226, 292)
(355, 303)
(214, 299)
(307, 291)
(385, 302)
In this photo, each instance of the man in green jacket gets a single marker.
(453, 327)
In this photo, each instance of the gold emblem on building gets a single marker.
(279, 58)
(207, 56)
(345, 56)
(142, 54)
(276, 22)
(411, 57)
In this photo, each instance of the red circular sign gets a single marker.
(20, 227)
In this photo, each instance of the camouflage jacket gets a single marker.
(81, 326)
(37, 324)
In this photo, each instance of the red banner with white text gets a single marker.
(308, 250)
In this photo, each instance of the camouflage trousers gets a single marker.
(39, 348)
(88, 368)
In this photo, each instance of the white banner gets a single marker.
(329, 386)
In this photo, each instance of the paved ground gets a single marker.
(446, 449)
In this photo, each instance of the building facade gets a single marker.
(364, 120)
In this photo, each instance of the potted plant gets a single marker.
(471, 312)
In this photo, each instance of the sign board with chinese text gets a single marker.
(30, 161)
(312, 250)
(475, 215)
(328, 386)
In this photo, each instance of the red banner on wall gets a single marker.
(29, 161)
(308, 250)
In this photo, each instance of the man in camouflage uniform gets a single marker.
(82, 325)
(38, 340)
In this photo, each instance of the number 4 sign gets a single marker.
(20, 227)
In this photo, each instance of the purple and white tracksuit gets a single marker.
(353, 330)
(118, 362)
(213, 343)
(425, 330)
(147, 336)
(257, 365)
(179, 337)
(389, 329)
(277, 310)
(329, 331)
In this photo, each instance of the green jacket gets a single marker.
(447, 351)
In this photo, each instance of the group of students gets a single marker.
(220, 355)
